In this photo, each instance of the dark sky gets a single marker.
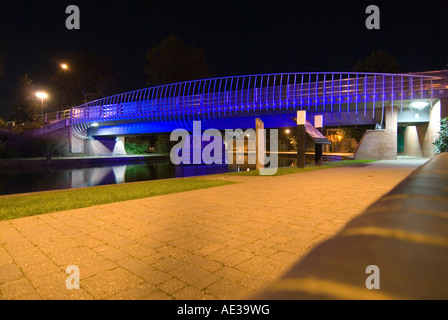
(238, 36)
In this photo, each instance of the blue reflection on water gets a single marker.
(32, 179)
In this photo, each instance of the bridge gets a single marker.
(417, 100)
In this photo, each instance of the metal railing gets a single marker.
(239, 95)
(54, 116)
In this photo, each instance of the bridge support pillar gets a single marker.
(318, 124)
(301, 139)
(260, 147)
(418, 139)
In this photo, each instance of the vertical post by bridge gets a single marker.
(260, 144)
(301, 139)
(318, 124)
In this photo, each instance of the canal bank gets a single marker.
(77, 161)
(99, 160)
(227, 242)
(34, 175)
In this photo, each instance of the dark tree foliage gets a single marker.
(26, 105)
(174, 61)
(441, 143)
(88, 77)
(378, 61)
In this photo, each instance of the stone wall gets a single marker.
(380, 144)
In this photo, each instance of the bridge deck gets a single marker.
(246, 95)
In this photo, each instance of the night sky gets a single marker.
(238, 37)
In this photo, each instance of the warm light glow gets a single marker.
(64, 66)
(419, 104)
(41, 95)
(339, 137)
(248, 135)
(287, 131)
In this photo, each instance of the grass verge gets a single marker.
(16, 206)
(288, 170)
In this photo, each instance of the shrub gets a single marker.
(441, 143)
(163, 144)
(136, 148)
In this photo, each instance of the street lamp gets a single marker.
(62, 66)
(42, 96)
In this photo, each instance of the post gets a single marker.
(60, 76)
(318, 124)
(301, 139)
(260, 143)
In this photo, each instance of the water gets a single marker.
(32, 179)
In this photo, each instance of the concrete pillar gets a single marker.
(260, 143)
(418, 140)
(318, 124)
(432, 130)
(412, 142)
(390, 143)
(301, 139)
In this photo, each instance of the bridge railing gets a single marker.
(54, 116)
(227, 96)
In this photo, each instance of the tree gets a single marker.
(88, 77)
(173, 61)
(441, 143)
(378, 61)
(26, 105)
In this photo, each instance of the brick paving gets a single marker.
(227, 242)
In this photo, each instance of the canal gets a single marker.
(45, 178)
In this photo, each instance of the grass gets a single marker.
(22, 205)
(289, 170)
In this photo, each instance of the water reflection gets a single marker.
(52, 178)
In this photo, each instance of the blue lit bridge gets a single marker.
(235, 102)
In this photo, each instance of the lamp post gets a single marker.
(42, 95)
(62, 66)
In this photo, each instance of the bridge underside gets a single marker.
(421, 129)
(346, 115)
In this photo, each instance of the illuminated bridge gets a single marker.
(235, 102)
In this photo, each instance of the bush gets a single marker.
(15, 145)
(136, 148)
(441, 143)
(163, 144)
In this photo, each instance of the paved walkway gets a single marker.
(228, 242)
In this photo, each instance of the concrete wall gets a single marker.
(77, 145)
(418, 139)
(380, 144)
(102, 146)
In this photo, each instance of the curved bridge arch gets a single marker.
(179, 104)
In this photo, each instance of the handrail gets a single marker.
(205, 99)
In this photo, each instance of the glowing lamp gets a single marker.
(41, 95)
